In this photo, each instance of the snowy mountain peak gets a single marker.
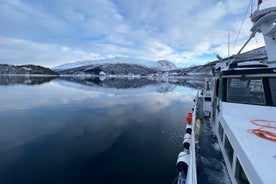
(162, 65)
(166, 65)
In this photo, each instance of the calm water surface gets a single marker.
(87, 131)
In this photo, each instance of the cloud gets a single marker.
(56, 32)
(18, 51)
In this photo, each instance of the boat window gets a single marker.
(220, 131)
(217, 87)
(229, 150)
(246, 90)
(272, 83)
(240, 174)
(207, 99)
(223, 89)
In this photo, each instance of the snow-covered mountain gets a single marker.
(25, 69)
(129, 67)
(165, 65)
(162, 65)
(258, 54)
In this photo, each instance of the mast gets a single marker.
(264, 21)
(259, 3)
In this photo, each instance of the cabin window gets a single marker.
(272, 83)
(240, 174)
(217, 87)
(223, 89)
(220, 131)
(207, 99)
(246, 90)
(229, 150)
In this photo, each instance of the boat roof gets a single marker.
(256, 155)
(263, 71)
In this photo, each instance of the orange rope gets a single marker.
(258, 123)
(264, 133)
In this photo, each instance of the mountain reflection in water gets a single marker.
(196, 82)
(26, 80)
(72, 130)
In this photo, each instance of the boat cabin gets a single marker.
(251, 86)
(244, 114)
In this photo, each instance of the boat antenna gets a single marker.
(228, 44)
(253, 33)
(259, 3)
(251, 13)
(249, 5)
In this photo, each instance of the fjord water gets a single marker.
(91, 130)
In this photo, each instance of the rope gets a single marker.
(238, 35)
(267, 125)
(264, 134)
(175, 180)
(251, 13)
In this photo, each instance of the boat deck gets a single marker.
(256, 155)
(211, 168)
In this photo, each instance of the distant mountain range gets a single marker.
(162, 65)
(115, 66)
(128, 67)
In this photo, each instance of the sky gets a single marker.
(187, 32)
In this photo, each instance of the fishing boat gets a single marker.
(240, 103)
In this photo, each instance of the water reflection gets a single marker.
(111, 82)
(24, 79)
(106, 82)
(125, 83)
(68, 132)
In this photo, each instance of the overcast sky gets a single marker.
(187, 32)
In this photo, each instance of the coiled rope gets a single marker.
(264, 134)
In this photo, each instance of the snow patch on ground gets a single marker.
(216, 146)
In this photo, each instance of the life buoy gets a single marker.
(189, 118)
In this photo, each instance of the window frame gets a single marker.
(223, 91)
